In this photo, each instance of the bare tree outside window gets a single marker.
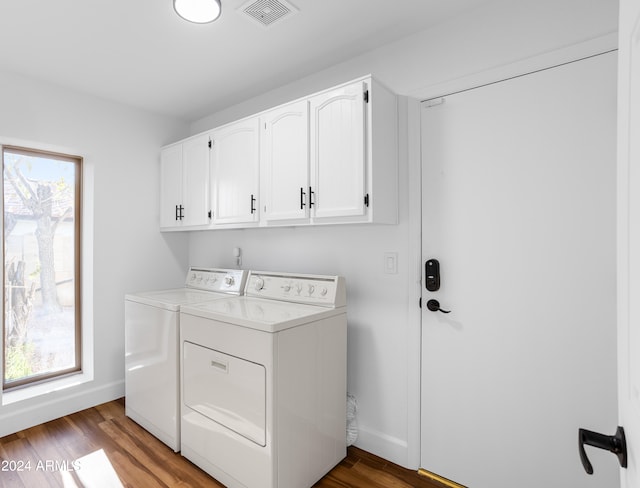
(41, 242)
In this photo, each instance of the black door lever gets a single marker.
(434, 306)
(616, 444)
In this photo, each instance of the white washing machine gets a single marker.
(152, 359)
(264, 381)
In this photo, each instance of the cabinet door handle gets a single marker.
(302, 195)
(177, 216)
(253, 201)
(311, 193)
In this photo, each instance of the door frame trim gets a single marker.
(575, 52)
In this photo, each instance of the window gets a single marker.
(41, 264)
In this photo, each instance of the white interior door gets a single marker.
(629, 236)
(519, 209)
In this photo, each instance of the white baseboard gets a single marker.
(46, 409)
(383, 445)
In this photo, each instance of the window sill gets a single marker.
(44, 388)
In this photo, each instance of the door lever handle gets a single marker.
(434, 306)
(616, 444)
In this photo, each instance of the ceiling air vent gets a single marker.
(267, 12)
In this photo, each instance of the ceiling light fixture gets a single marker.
(198, 11)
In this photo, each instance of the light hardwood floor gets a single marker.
(101, 447)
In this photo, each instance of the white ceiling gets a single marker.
(139, 52)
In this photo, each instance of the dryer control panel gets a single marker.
(230, 281)
(327, 291)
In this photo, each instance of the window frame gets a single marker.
(77, 242)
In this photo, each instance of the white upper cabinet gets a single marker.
(338, 122)
(354, 154)
(235, 159)
(332, 158)
(328, 158)
(195, 172)
(184, 187)
(170, 185)
(285, 159)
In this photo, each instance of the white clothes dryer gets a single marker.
(152, 360)
(264, 381)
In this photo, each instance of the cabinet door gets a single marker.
(285, 155)
(234, 179)
(170, 185)
(338, 152)
(195, 171)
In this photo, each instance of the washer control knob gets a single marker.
(259, 284)
(298, 288)
(323, 292)
(228, 280)
(312, 288)
(287, 288)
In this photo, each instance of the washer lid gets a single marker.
(173, 299)
(261, 314)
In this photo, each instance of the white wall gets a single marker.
(120, 147)
(498, 34)
(383, 325)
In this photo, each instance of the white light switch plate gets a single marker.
(391, 262)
